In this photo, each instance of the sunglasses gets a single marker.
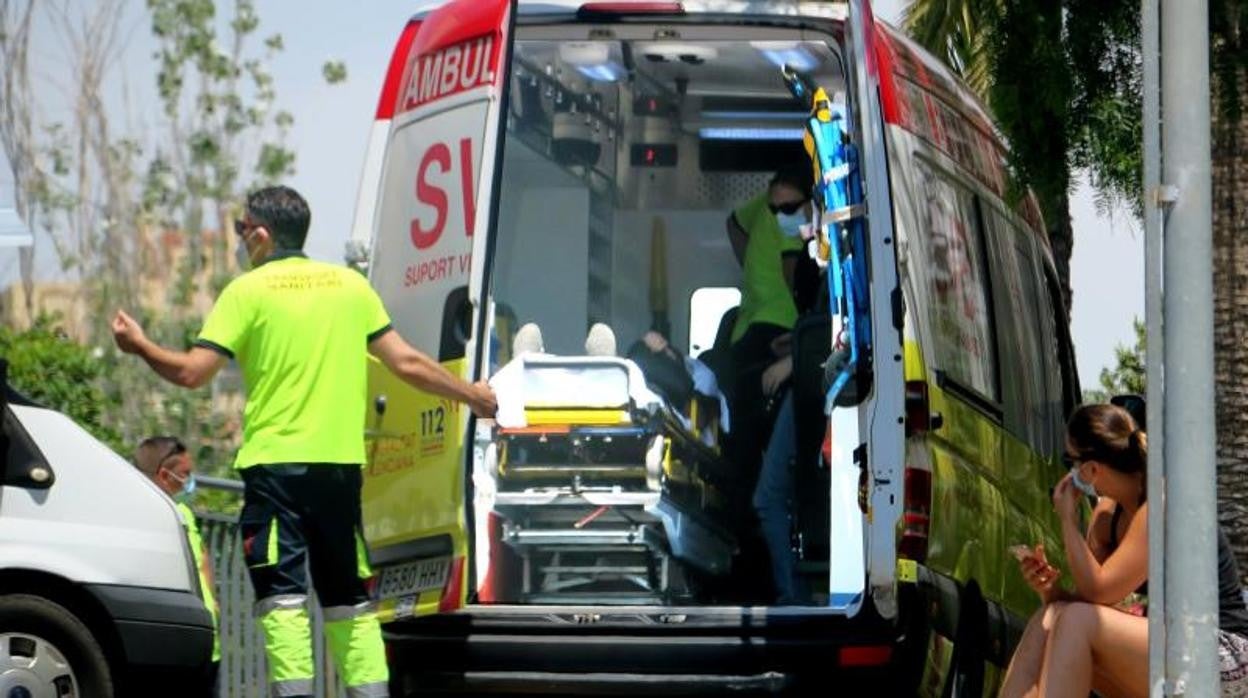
(788, 208)
(241, 228)
(177, 448)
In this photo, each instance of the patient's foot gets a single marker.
(528, 340)
(600, 341)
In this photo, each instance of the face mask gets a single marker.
(791, 223)
(188, 487)
(1080, 484)
(242, 256)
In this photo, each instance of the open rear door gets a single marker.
(444, 99)
(881, 418)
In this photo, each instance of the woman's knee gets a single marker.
(1050, 614)
(1077, 618)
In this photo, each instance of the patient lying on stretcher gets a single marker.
(652, 377)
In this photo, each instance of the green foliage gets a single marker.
(110, 203)
(334, 72)
(53, 370)
(48, 367)
(1062, 78)
(1128, 374)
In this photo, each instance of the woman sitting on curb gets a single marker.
(1096, 638)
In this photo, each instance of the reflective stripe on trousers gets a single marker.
(291, 688)
(372, 690)
(287, 644)
(354, 638)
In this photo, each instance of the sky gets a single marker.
(332, 125)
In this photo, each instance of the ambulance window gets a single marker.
(706, 309)
(961, 320)
(1049, 352)
(1026, 326)
(1018, 294)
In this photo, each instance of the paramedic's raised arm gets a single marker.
(737, 236)
(189, 369)
(423, 373)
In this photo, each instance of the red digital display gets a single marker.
(653, 155)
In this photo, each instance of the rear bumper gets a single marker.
(599, 650)
(165, 634)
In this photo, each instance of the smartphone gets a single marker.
(1022, 552)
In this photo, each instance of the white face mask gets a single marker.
(791, 223)
(1080, 484)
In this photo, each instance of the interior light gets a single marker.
(790, 53)
(605, 72)
(755, 115)
(593, 60)
(750, 134)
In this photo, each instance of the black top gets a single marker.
(1232, 613)
(1113, 542)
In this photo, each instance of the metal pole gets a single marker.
(1151, 46)
(1191, 605)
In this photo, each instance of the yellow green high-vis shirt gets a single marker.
(210, 599)
(299, 330)
(765, 297)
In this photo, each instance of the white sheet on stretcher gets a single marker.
(572, 382)
(575, 382)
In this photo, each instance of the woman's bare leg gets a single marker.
(1022, 678)
(1089, 636)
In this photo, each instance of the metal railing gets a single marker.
(242, 673)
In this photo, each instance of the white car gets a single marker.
(98, 590)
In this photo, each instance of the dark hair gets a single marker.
(1108, 434)
(798, 175)
(153, 452)
(284, 213)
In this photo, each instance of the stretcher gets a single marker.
(607, 493)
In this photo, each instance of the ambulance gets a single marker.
(543, 205)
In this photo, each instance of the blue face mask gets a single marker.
(791, 223)
(242, 257)
(188, 487)
(1080, 484)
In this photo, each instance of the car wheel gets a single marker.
(47, 651)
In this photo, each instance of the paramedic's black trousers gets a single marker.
(309, 514)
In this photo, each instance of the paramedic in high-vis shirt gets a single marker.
(766, 238)
(300, 330)
(166, 462)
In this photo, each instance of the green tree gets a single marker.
(109, 200)
(1100, 58)
(1128, 374)
(1061, 80)
(48, 367)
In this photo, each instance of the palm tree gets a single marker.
(1229, 60)
(1091, 64)
(990, 42)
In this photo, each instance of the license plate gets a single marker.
(413, 577)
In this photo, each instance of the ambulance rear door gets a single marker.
(881, 417)
(432, 197)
